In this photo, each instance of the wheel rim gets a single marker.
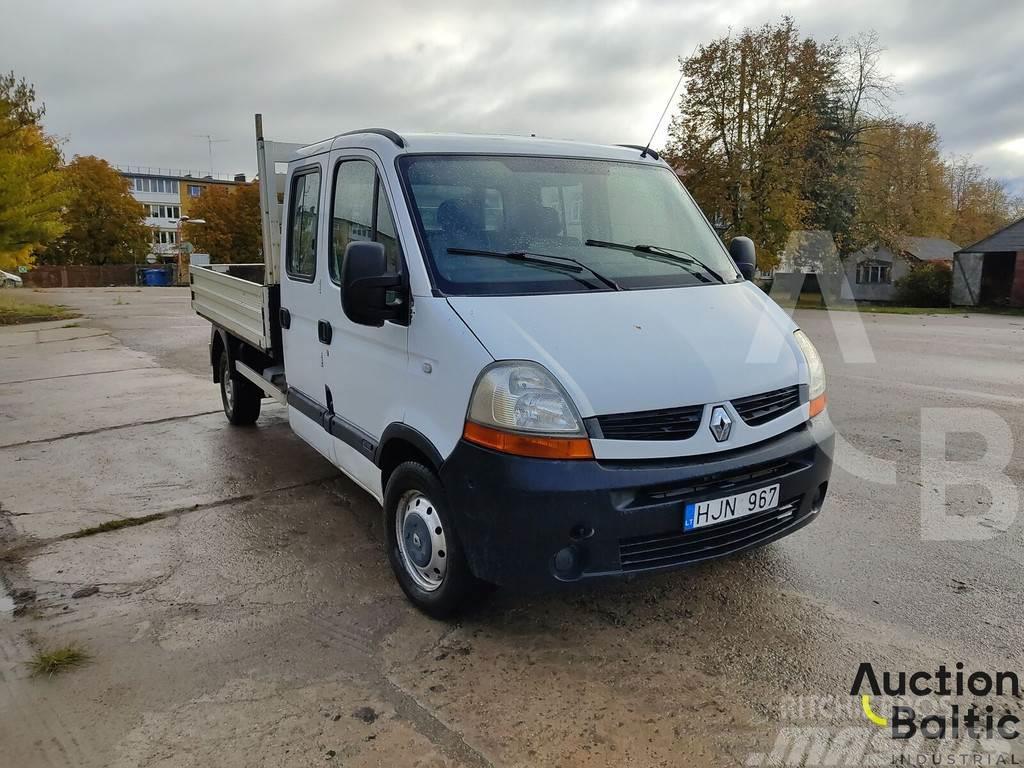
(421, 541)
(229, 387)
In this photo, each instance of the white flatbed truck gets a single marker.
(534, 354)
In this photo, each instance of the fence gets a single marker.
(99, 275)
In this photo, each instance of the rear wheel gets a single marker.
(240, 397)
(423, 546)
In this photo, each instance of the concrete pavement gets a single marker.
(257, 622)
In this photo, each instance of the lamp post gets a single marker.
(181, 250)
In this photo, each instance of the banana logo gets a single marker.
(865, 703)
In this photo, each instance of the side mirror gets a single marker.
(742, 251)
(366, 285)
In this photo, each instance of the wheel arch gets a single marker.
(401, 443)
(219, 341)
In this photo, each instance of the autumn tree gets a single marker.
(232, 232)
(752, 106)
(902, 190)
(979, 204)
(778, 133)
(32, 190)
(104, 221)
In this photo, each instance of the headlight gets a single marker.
(523, 397)
(815, 370)
(519, 408)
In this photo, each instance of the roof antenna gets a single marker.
(663, 113)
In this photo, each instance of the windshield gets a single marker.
(477, 214)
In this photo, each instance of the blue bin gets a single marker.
(156, 277)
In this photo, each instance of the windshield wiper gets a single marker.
(658, 250)
(539, 258)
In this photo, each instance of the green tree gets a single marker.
(32, 189)
(233, 230)
(926, 285)
(742, 142)
(857, 100)
(104, 221)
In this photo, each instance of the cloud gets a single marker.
(139, 82)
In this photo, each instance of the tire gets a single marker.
(239, 396)
(415, 494)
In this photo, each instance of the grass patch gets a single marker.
(50, 663)
(15, 310)
(113, 525)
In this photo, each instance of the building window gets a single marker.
(194, 190)
(874, 273)
(164, 211)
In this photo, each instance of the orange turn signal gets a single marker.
(528, 445)
(818, 405)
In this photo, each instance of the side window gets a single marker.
(303, 219)
(386, 233)
(360, 212)
(352, 211)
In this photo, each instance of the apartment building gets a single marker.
(168, 195)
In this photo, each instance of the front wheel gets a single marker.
(241, 399)
(422, 543)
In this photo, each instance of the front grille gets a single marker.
(760, 409)
(666, 424)
(759, 474)
(679, 548)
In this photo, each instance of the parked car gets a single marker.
(10, 280)
(536, 355)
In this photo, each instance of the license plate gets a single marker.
(701, 514)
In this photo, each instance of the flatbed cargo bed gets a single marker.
(244, 299)
(234, 297)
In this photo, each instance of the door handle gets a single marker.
(286, 318)
(324, 331)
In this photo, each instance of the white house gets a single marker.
(871, 273)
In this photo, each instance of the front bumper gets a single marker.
(533, 523)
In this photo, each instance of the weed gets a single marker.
(113, 525)
(51, 662)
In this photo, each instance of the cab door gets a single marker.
(303, 302)
(366, 366)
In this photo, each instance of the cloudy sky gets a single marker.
(140, 82)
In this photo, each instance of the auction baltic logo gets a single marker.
(974, 722)
(949, 716)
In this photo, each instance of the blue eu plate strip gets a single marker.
(688, 521)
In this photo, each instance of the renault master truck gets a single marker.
(537, 356)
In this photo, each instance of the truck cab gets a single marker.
(536, 355)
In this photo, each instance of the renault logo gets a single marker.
(720, 424)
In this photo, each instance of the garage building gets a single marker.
(991, 272)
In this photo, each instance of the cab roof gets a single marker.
(387, 142)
